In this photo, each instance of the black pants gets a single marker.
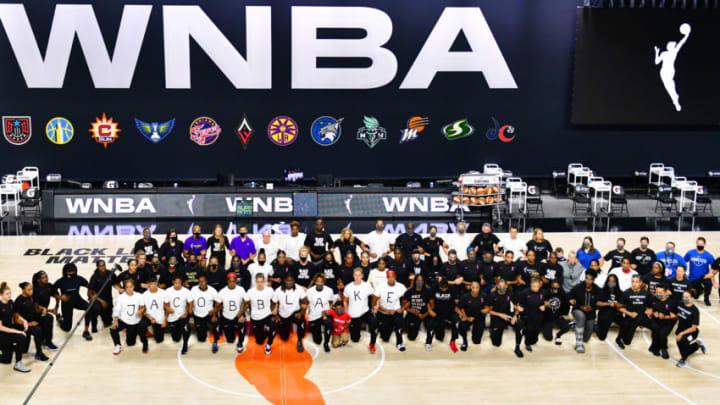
(441, 324)
(12, 343)
(412, 325)
(76, 302)
(606, 317)
(264, 329)
(388, 324)
(660, 334)
(286, 324)
(372, 324)
(531, 327)
(42, 333)
(497, 327)
(687, 345)
(629, 325)
(320, 329)
(180, 329)
(158, 330)
(561, 323)
(477, 326)
(205, 324)
(231, 327)
(133, 331)
(704, 285)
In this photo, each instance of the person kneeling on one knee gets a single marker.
(341, 325)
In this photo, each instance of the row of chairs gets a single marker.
(23, 188)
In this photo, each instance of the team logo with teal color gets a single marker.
(59, 130)
(372, 133)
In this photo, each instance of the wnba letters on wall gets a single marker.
(647, 66)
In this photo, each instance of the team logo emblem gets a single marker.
(505, 133)
(244, 131)
(154, 131)
(17, 129)
(372, 133)
(415, 125)
(204, 131)
(282, 131)
(458, 129)
(59, 130)
(104, 130)
(326, 130)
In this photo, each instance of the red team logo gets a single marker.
(17, 129)
(204, 131)
(104, 130)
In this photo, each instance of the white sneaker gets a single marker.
(117, 350)
(268, 350)
(700, 343)
(428, 348)
(19, 366)
(580, 348)
(240, 349)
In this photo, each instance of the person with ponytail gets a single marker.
(40, 324)
(11, 339)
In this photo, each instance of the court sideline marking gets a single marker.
(648, 375)
(708, 314)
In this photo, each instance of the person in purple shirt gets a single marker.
(243, 246)
(195, 243)
(699, 261)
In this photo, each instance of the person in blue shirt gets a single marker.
(670, 259)
(588, 253)
(699, 261)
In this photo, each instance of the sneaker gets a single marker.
(87, 336)
(428, 347)
(372, 348)
(700, 343)
(518, 352)
(464, 347)
(94, 329)
(19, 366)
(453, 346)
(145, 349)
(655, 352)
(326, 347)
(528, 348)
(580, 348)
(117, 350)
(214, 347)
(268, 350)
(240, 348)
(558, 341)
(401, 347)
(300, 347)
(51, 346)
(620, 343)
(664, 354)
(681, 363)
(707, 302)
(41, 357)
(572, 324)
(184, 350)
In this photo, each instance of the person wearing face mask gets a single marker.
(616, 256)
(529, 267)
(178, 307)
(539, 245)
(282, 267)
(679, 283)
(624, 274)
(512, 243)
(655, 277)
(318, 242)
(69, 287)
(263, 313)
(356, 299)
(131, 273)
(294, 242)
(472, 311)
(401, 266)
(664, 315)
(191, 275)
(147, 244)
(244, 279)
(530, 306)
(329, 267)
(460, 241)
(292, 304)
(472, 269)
(560, 253)
(588, 253)
(155, 317)
(553, 271)
(230, 304)
(573, 272)
(345, 271)
(341, 324)
(557, 303)
(643, 257)
(432, 244)
(166, 278)
(215, 276)
(269, 245)
(610, 302)
(260, 266)
(485, 241)
(417, 302)
(432, 272)
(584, 297)
(304, 268)
(378, 275)
(172, 247)
(699, 262)
(670, 259)
(195, 243)
(444, 313)
(379, 242)
(43, 290)
(155, 271)
(127, 315)
(636, 312)
(452, 272)
(390, 312)
(416, 265)
(508, 271)
(217, 244)
(498, 305)
(101, 285)
(204, 310)
(243, 246)
(320, 300)
(39, 326)
(686, 334)
(408, 241)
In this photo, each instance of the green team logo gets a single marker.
(458, 129)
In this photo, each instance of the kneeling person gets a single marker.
(231, 303)
(292, 303)
(127, 315)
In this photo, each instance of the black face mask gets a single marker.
(243, 234)
(196, 235)
(193, 264)
(261, 262)
(235, 265)
(700, 248)
(303, 259)
(319, 287)
(213, 266)
(173, 239)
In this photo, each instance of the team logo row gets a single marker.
(282, 130)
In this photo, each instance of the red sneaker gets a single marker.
(453, 347)
(372, 348)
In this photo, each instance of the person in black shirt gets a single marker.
(584, 297)
(555, 308)
(171, 247)
(664, 314)
(155, 272)
(218, 244)
(166, 279)
(508, 271)
(553, 270)
(501, 314)
(471, 269)
(485, 241)
(472, 311)
(69, 286)
(610, 302)
(408, 241)
(133, 274)
(304, 268)
(432, 272)
(686, 334)
(529, 267)
(643, 257)
(444, 312)
(432, 244)
(319, 242)
(39, 325)
(329, 268)
(101, 284)
(365, 264)
(529, 309)
(11, 339)
(416, 302)
(42, 292)
(539, 245)
(655, 277)
(452, 272)
(679, 283)
(401, 267)
(636, 311)
(191, 275)
(616, 256)
(347, 242)
(415, 265)
(217, 277)
(147, 244)
(282, 267)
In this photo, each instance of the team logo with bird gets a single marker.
(155, 131)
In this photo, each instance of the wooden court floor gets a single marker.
(87, 371)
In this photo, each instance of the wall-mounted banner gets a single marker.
(386, 205)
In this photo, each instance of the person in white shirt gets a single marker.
(292, 303)
(320, 299)
(127, 315)
(294, 241)
(178, 305)
(232, 301)
(378, 276)
(379, 242)
(269, 245)
(204, 297)
(356, 297)
(263, 312)
(460, 241)
(390, 312)
(154, 300)
(624, 274)
(513, 244)
(260, 266)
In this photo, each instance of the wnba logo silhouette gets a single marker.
(505, 133)
(667, 60)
